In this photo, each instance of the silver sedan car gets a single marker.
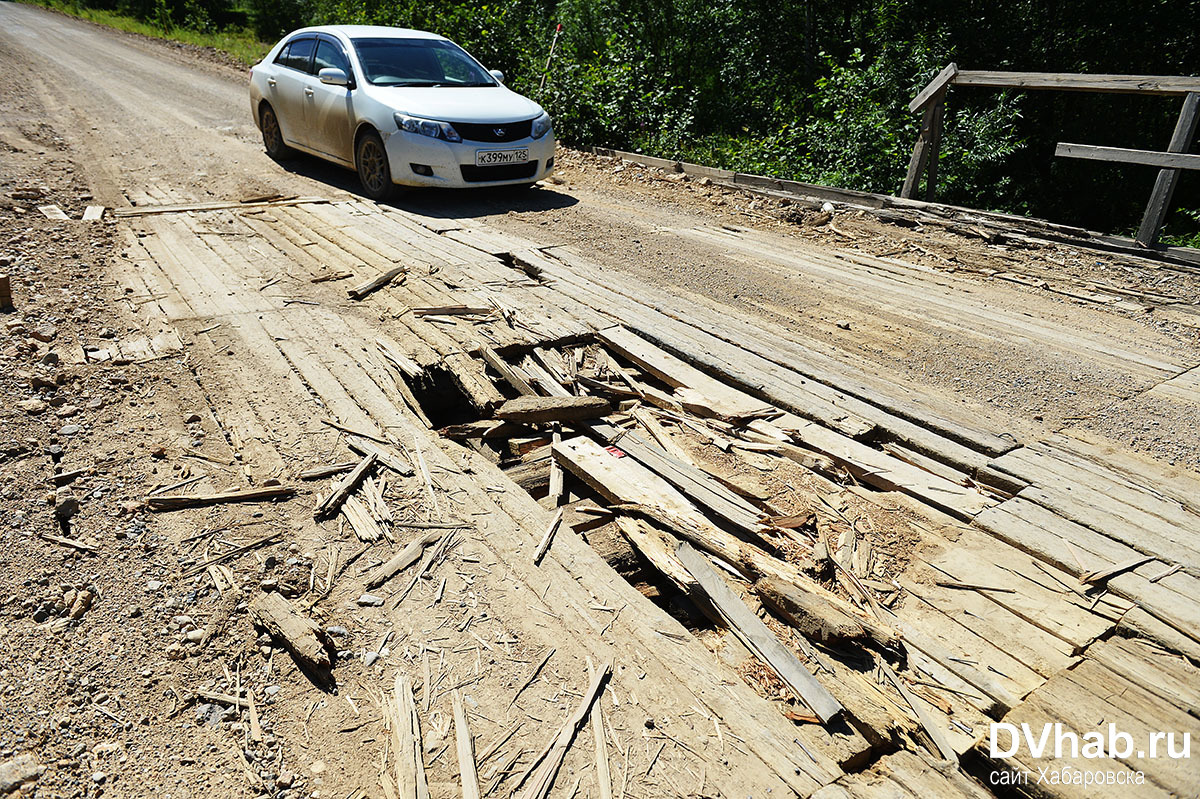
(402, 107)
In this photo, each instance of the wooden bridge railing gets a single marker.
(932, 101)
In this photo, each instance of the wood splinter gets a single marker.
(376, 283)
(344, 488)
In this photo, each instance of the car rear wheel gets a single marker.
(273, 136)
(374, 172)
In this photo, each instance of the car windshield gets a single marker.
(418, 62)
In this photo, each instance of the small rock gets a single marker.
(32, 406)
(66, 411)
(194, 636)
(195, 417)
(285, 779)
(175, 652)
(44, 334)
(99, 777)
(50, 358)
(107, 332)
(318, 767)
(65, 504)
(370, 600)
(133, 611)
(844, 325)
(19, 771)
(95, 404)
(208, 714)
(153, 585)
(83, 601)
(69, 429)
(336, 630)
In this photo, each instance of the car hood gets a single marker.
(485, 104)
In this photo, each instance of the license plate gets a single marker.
(494, 157)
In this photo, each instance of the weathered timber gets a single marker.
(817, 618)
(534, 410)
(176, 502)
(376, 283)
(1164, 184)
(385, 455)
(542, 776)
(755, 635)
(1125, 155)
(401, 560)
(344, 488)
(302, 636)
(1079, 82)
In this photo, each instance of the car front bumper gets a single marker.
(446, 160)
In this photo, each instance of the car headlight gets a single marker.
(541, 126)
(427, 127)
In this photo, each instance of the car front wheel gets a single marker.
(374, 172)
(273, 136)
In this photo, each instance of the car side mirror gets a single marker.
(334, 76)
(497, 74)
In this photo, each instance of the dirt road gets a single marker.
(140, 114)
(195, 352)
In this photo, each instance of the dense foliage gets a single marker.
(816, 90)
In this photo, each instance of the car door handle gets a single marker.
(271, 82)
(308, 91)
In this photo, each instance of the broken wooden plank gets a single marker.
(217, 205)
(695, 390)
(401, 560)
(93, 213)
(53, 212)
(386, 456)
(817, 618)
(465, 745)
(179, 501)
(319, 472)
(1102, 575)
(302, 636)
(507, 371)
(546, 767)
(344, 488)
(454, 310)
(750, 630)
(548, 537)
(935, 732)
(406, 742)
(536, 410)
(375, 283)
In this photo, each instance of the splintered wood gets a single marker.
(540, 777)
(407, 757)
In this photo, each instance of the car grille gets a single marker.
(480, 174)
(512, 131)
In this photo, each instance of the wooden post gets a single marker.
(925, 151)
(935, 146)
(921, 150)
(1164, 186)
(6, 300)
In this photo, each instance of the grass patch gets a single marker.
(241, 45)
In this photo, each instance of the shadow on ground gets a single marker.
(442, 203)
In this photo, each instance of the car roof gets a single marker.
(368, 32)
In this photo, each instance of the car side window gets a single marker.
(299, 54)
(330, 55)
(282, 58)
